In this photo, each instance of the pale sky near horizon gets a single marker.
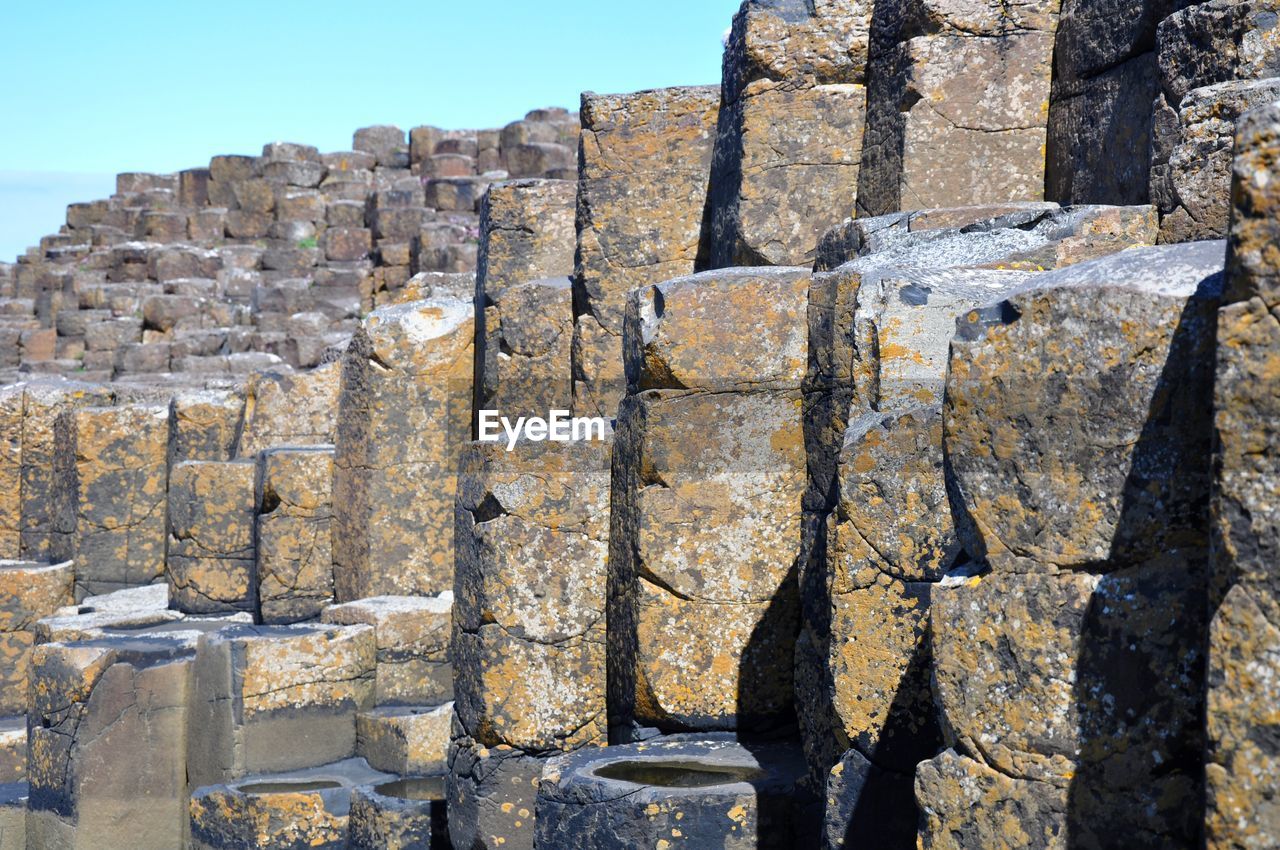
(89, 89)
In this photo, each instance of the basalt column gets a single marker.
(1243, 771)
(708, 473)
(789, 141)
(643, 170)
(1069, 657)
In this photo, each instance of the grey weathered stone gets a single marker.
(274, 698)
(699, 792)
(789, 140)
(412, 637)
(526, 235)
(1191, 156)
(406, 813)
(967, 804)
(28, 592)
(868, 805)
(306, 809)
(28, 413)
(930, 141)
(107, 730)
(703, 607)
(491, 793)
(1244, 664)
(1076, 447)
(406, 740)
(524, 339)
(284, 408)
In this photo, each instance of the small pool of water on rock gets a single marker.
(289, 787)
(677, 774)
(421, 788)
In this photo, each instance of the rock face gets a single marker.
(642, 187)
(529, 645)
(393, 478)
(491, 794)
(1107, 484)
(28, 592)
(210, 557)
(881, 322)
(295, 810)
(283, 408)
(110, 495)
(107, 732)
(1214, 61)
(1241, 768)
(523, 319)
(708, 475)
(789, 138)
(1077, 663)
(293, 494)
(956, 104)
(28, 413)
(1191, 163)
(263, 703)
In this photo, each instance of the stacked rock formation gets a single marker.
(877, 450)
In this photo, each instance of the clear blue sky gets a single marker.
(88, 89)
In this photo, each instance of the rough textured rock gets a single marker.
(642, 185)
(28, 592)
(956, 104)
(110, 495)
(867, 805)
(274, 698)
(1191, 158)
(1215, 42)
(1075, 448)
(107, 732)
(1244, 647)
(1099, 134)
(524, 329)
(665, 793)
(298, 810)
(529, 643)
(406, 740)
(1097, 694)
(412, 637)
(407, 814)
(528, 336)
(491, 795)
(967, 804)
(708, 475)
(889, 539)
(289, 409)
(404, 413)
(293, 493)
(136, 608)
(789, 137)
(204, 425)
(209, 562)
(28, 413)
